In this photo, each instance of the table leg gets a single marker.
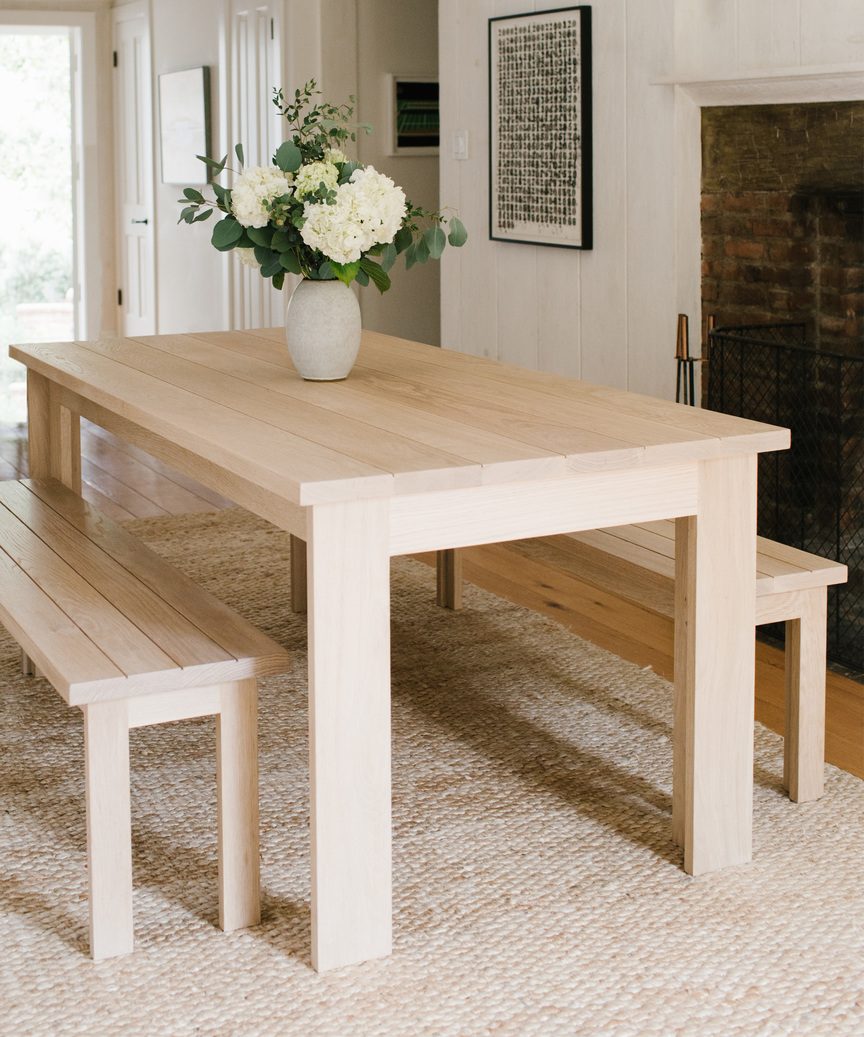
(54, 435)
(349, 731)
(449, 573)
(298, 574)
(714, 668)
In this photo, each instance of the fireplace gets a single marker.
(783, 275)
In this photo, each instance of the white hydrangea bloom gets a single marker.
(254, 191)
(335, 156)
(247, 257)
(314, 173)
(368, 211)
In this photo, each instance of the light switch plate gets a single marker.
(460, 145)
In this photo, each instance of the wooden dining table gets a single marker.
(424, 449)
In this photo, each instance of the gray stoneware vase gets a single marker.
(322, 327)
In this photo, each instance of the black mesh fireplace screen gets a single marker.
(811, 496)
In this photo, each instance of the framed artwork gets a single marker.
(184, 125)
(414, 115)
(540, 175)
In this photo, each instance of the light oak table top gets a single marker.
(423, 449)
(409, 418)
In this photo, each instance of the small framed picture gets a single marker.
(184, 125)
(540, 163)
(414, 115)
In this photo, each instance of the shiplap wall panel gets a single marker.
(651, 303)
(603, 273)
(480, 281)
(559, 304)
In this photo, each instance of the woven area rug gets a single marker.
(537, 890)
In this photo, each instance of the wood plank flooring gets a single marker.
(126, 483)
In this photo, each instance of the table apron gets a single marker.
(491, 514)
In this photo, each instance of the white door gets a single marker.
(256, 68)
(133, 108)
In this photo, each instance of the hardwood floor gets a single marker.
(127, 483)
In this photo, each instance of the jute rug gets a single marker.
(536, 887)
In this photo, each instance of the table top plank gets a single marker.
(410, 418)
(695, 419)
(249, 447)
(510, 458)
(406, 459)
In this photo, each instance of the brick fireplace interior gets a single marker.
(783, 273)
(783, 218)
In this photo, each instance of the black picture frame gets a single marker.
(540, 109)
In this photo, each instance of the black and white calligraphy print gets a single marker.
(537, 148)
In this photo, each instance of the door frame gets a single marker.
(87, 253)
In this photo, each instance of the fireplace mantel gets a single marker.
(801, 84)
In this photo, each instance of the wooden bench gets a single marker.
(132, 642)
(637, 563)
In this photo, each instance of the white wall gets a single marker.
(189, 271)
(609, 315)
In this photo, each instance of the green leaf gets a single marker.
(272, 266)
(380, 278)
(348, 168)
(187, 213)
(261, 235)
(282, 241)
(410, 256)
(290, 262)
(326, 271)
(458, 235)
(278, 280)
(346, 272)
(404, 238)
(288, 157)
(435, 241)
(265, 255)
(203, 216)
(362, 278)
(388, 256)
(223, 195)
(226, 234)
(193, 195)
(238, 151)
(211, 163)
(421, 250)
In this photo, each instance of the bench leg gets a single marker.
(804, 756)
(28, 667)
(298, 574)
(237, 778)
(109, 828)
(449, 572)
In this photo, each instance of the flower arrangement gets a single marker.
(315, 212)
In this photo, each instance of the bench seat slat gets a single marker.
(118, 638)
(650, 546)
(36, 623)
(217, 621)
(179, 641)
(102, 616)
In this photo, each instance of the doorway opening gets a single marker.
(38, 268)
